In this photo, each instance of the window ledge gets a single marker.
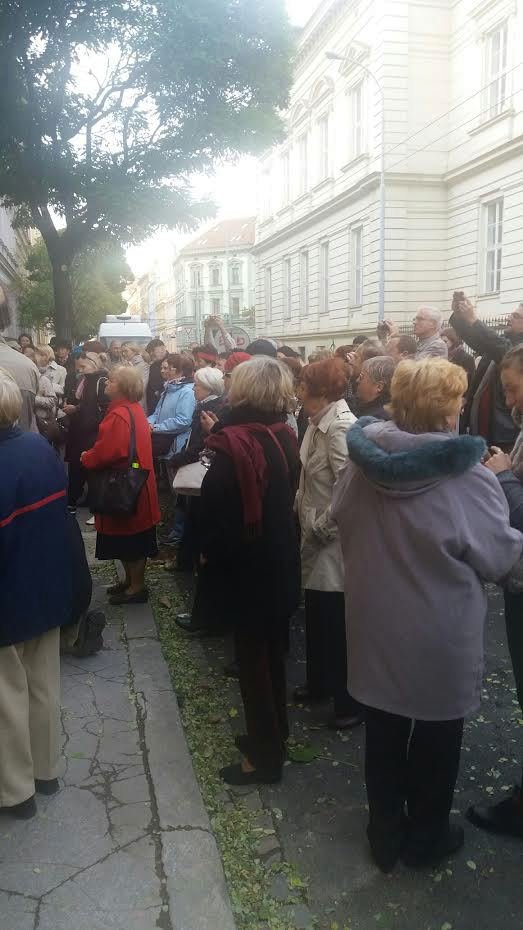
(354, 162)
(284, 210)
(326, 182)
(303, 197)
(505, 114)
(488, 295)
(354, 307)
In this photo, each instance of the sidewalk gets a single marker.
(127, 843)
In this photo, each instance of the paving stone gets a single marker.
(16, 912)
(193, 867)
(266, 845)
(279, 888)
(299, 917)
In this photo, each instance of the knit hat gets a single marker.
(262, 347)
(235, 359)
(211, 379)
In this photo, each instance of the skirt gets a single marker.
(127, 548)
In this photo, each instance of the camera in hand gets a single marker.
(457, 298)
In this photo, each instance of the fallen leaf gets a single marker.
(471, 865)
(233, 712)
(303, 754)
(164, 601)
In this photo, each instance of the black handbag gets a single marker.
(115, 493)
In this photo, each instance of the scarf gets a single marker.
(241, 444)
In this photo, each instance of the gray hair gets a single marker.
(433, 314)
(380, 369)
(10, 400)
(263, 383)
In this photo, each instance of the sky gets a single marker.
(232, 188)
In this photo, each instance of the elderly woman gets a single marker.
(46, 400)
(171, 421)
(416, 501)
(134, 355)
(249, 546)
(506, 816)
(322, 454)
(131, 539)
(85, 410)
(373, 388)
(34, 603)
(45, 361)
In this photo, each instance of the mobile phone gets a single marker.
(457, 298)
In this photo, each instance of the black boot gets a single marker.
(420, 853)
(505, 817)
(23, 811)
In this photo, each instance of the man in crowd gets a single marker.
(115, 353)
(486, 413)
(21, 369)
(157, 351)
(427, 330)
(400, 348)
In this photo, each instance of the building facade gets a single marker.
(214, 276)
(447, 75)
(14, 248)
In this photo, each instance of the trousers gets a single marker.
(29, 716)
(326, 641)
(261, 659)
(413, 762)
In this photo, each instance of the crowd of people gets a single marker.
(402, 452)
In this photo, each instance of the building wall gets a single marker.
(445, 159)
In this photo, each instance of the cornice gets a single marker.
(319, 33)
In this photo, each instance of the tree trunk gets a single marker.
(63, 296)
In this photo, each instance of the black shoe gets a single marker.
(337, 722)
(23, 811)
(47, 786)
(505, 818)
(419, 855)
(303, 695)
(117, 588)
(141, 597)
(186, 623)
(387, 842)
(234, 775)
(232, 670)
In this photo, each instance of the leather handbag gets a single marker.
(188, 479)
(114, 492)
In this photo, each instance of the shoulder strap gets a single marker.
(132, 440)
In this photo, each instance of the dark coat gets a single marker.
(459, 356)
(111, 450)
(196, 441)
(374, 408)
(82, 581)
(257, 581)
(83, 425)
(35, 555)
(498, 428)
(155, 386)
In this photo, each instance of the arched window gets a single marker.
(236, 274)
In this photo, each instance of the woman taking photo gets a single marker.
(131, 539)
(323, 452)
(84, 410)
(248, 545)
(416, 504)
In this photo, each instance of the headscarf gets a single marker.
(235, 359)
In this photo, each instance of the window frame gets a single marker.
(356, 265)
(287, 287)
(235, 313)
(268, 293)
(236, 269)
(323, 124)
(304, 283)
(216, 270)
(496, 81)
(303, 163)
(491, 271)
(196, 269)
(286, 177)
(357, 126)
(324, 276)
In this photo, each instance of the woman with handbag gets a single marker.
(124, 445)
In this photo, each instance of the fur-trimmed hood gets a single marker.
(402, 463)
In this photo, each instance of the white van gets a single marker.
(124, 328)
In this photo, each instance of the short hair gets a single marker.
(433, 313)
(262, 347)
(343, 351)
(294, 365)
(10, 400)
(211, 379)
(182, 363)
(359, 340)
(93, 345)
(326, 379)
(380, 368)
(129, 381)
(46, 351)
(263, 383)
(289, 352)
(154, 344)
(26, 336)
(407, 345)
(370, 348)
(424, 393)
(452, 335)
(513, 359)
(320, 356)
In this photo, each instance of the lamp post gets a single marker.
(333, 56)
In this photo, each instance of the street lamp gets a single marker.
(352, 58)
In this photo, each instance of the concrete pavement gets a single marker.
(127, 843)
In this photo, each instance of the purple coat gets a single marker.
(422, 526)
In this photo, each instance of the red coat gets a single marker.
(111, 450)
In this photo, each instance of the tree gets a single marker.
(98, 277)
(108, 106)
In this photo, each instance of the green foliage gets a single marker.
(98, 276)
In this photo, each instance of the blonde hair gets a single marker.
(263, 383)
(10, 400)
(136, 350)
(129, 381)
(46, 351)
(425, 393)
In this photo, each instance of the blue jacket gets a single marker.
(174, 411)
(35, 554)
